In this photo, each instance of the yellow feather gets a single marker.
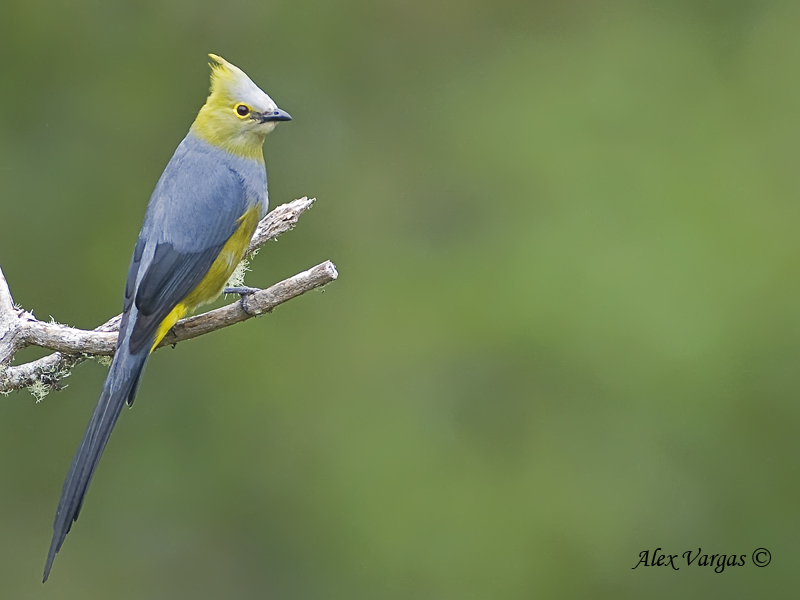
(213, 283)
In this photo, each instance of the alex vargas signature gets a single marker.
(760, 558)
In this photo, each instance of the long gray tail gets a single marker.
(121, 384)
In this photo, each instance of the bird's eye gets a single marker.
(242, 110)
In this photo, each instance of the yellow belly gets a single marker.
(221, 269)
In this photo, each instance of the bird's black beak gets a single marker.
(275, 115)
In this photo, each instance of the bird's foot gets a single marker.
(244, 292)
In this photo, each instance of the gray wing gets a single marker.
(193, 211)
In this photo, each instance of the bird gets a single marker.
(197, 226)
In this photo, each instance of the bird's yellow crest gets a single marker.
(237, 114)
(225, 79)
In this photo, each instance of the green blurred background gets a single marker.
(566, 328)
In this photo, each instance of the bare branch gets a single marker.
(9, 324)
(73, 345)
(63, 338)
(102, 342)
(279, 221)
(253, 305)
(6, 301)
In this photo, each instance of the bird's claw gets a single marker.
(243, 291)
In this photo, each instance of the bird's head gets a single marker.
(238, 114)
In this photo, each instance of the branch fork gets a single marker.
(19, 328)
